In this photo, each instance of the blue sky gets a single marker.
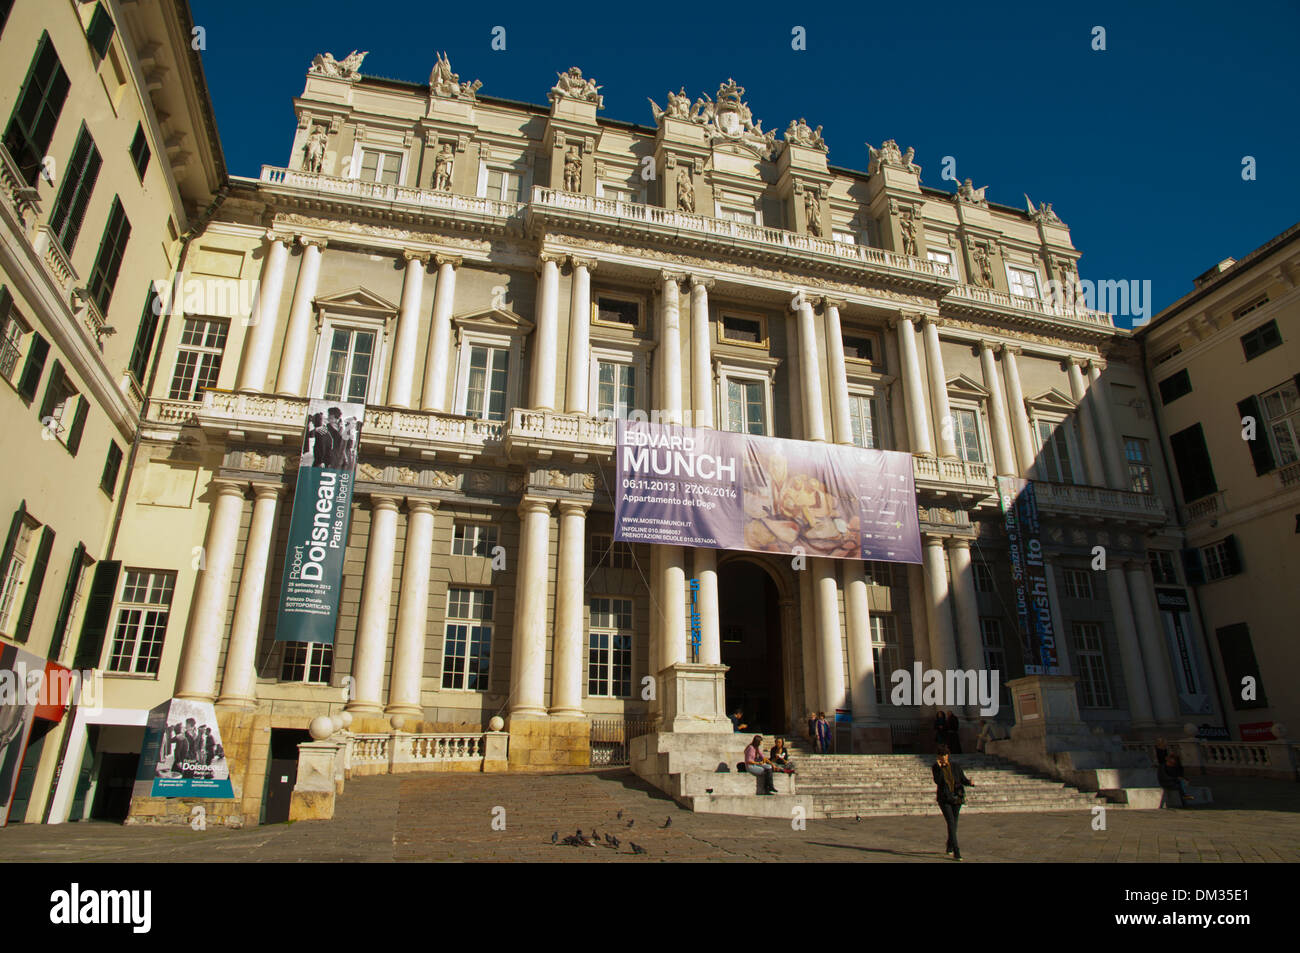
(1139, 147)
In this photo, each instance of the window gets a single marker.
(109, 260)
(863, 416)
(382, 167)
(113, 463)
(1162, 567)
(33, 367)
(485, 393)
(73, 592)
(141, 621)
(610, 309)
(609, 648)
(100, 32)
(1263, 338)
(943, 257)
(885, 654)
(878, 573)
(1094, 685)
(619, 192)
(1192, 461)
(64, 411)
(467, 645)
(1174, 386)
(1139, 465)
(140, 151)
(983, 577)
(198, 359)
(1167, 355)
(1054, 457)
(12, 331)
(1022, 282)
(859, 348)
(351, 357)
(473, 539)
(615, 389)
(1078, 584)
(1282, 417)
(742, 330)
(13, 576)
(1253, 306)
(843, 236)
(608, 554)
(995, 655)
(74, 193)
(732, 212)
(142, 349)
(503, 185)
(1221, 559)
(36, 112)
(311, 662)
(746, 406)
(965, 434)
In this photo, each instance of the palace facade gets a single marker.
(497, 281)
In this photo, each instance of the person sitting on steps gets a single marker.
(759, 766)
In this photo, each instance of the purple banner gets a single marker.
(707, 488)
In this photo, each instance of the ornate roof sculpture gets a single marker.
(802, 135)
(890, 154)
(443, 82)
(1043, 215)
(571, 85)
(967, 194)
(349, 67)
(679, 107)
(726, 118)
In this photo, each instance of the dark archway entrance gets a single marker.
(750, 620)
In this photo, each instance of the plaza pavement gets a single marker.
(449, 817)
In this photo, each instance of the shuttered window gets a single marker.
(1192, 461)
(140, 152)
(36, 112)
(109, 260)
(74, 194)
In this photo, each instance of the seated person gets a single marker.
(780, 757)
(1170, 775)
(759, 766)
(736, 723)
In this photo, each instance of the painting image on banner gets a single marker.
(20, 675)
(182, 755)
(319, 522)
(721, 490)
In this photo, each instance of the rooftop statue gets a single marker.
(326, 65)
(1043, 215)
(443, 82)
(967, 194)
(571, 85)
(890, 154)
(802, 135)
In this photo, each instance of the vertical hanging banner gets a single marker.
(21, 675)
(1028, 575)
(182, 754)
(718, 490)
(319, 521)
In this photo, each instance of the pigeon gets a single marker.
(614, 842)
(620, 814)
(555, 836)
(573, 840)
(631, 822)
(594, 835)
(858, 818)
(668, 822)
(637, 848)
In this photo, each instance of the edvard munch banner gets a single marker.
(318, 525)
(713, 489)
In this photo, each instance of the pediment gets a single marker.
(357, 301)
(966, 387)
(501, 320)
(1051, 399)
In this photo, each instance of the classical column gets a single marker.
(672, 588)
(1087, 429)
(836, 376)
(376, 596)
(913, 392)
(437, 358)
(237, 686)
(810, 376)
(1058, 623)
(1112, 454)
(577, 397)
(796, 387)
(943, 421)
(706, 571)
(256, 358)
(701, 365)
(566, 659)
(1135, 682)
(412, 611)
(808, 643)
(547, 333)
(1155, 657)
(943, 647)
(198, 674)
(1024, 440)
(290, 380)
(669, 356)
(528, 648)
(857, 620)
(830, 645)
(401, 375)
(1003, 455)
(968, 614)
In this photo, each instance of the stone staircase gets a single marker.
(866, 785)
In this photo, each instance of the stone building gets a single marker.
(1225, 362)
(497, 281)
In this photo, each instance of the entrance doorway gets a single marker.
(750, 621)
(282, 773)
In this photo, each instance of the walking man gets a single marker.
(950, 791)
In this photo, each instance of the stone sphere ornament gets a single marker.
(397, 721)
(496, 724)
(321, 727)
(346, 718)
(337, 721)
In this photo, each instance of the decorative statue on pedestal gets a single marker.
(572, 170)
(813, 208)
(326, 65)
(969, 195)
(443, 164)
(907, 225)
(443, 82)
(801, 134)
(314, 150)
(573, 86)
(685, 192)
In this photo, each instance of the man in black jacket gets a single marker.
(950, 791)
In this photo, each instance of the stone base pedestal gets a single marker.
(872, 738)
(320, 777)
(693, 698)
(1047, 713)
(542, 743)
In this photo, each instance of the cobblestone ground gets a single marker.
(449, 818)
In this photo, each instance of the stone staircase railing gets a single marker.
(405, 753)
(1269, 759)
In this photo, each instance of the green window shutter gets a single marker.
(36, 111)
(52, 388)
(144, 335)
(100, 31)
(74, 194)
(34, 367)
(99, 606)
(34, 583)
(15, 526)
(78, 425)
(1261, 452)
(64, 617)
(1232, 554)
(1192, 567)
